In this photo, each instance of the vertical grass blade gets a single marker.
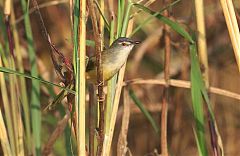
(15, 111)
(126, 19)
(110, 85)
(3, 136)
(198, 86)
(6, 106)
(108, 140)
(75, 34)
(197, 102)
(120, 16)
(35, 90)
(22, 86)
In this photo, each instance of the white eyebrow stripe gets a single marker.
(126, 42)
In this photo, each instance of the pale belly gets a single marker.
(108, 72)
(110, 67)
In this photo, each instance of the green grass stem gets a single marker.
(35, 90)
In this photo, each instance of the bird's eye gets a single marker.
(124, 44)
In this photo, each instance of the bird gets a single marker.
(113, 58)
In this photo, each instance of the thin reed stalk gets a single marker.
(35, 90)
(164, 112)
(111, 85)
(91, 120)
(122, 139)
(11, 129)
(100, 81)
(108, 140)
(201, 39)
(22, 86)
(182, 84)
(233, 29)
(15, 110)
(3, 134)
(101, 96)
(14, 105)
(9, 145)
(80, 78)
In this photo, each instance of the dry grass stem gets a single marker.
(201, 39)
(80, 110)
(122, 140)
(98, 47)
(164, 112)
(5, 142)
(233, 28)
(182, 84)
(7, 7)
(91, 119)
(3, 137)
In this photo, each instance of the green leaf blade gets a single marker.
(144, 110)
(197, 101)
(174, 25)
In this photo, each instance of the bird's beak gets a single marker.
(136, 42)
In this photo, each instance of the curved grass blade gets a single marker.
(151, 17)
(198, 84)
(198, 113)
(10, 71)
(143, 110)
(174, 25)
(120, 15)
(198, 143)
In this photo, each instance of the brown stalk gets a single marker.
(91, 120)
(122, 140)
(55, 53)
(97, 38)
(9, 34)
(7, 12)
(56, 134)
(182, 84)
(164, 146)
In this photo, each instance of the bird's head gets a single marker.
(123, 43)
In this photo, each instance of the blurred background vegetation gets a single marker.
(146, 62)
